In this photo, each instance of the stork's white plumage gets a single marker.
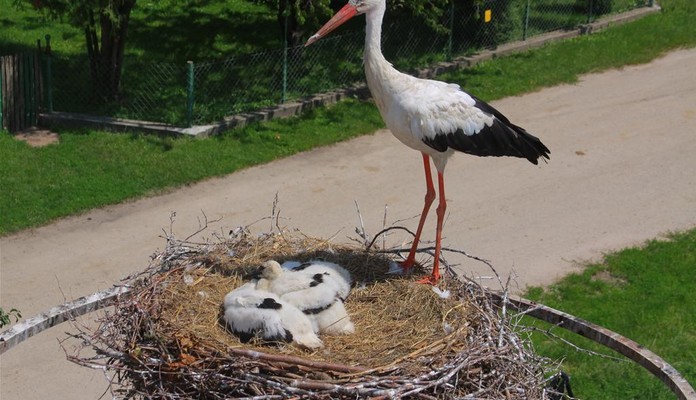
(337, 277)
(436, 118)
(317, 288)
(252, 312)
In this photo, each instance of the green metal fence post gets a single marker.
(589, 11)
(49, 86)
(189, 94)
(526, 21)
(451, 32)
(1, 80)
(285, 60)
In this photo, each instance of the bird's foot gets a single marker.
(429, 280)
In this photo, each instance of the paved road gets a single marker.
(622, 170)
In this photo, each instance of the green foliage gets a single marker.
(472, 31)
(79, 12)
(6, 317)
(645, 294)
(104, 25)
(23, 26)
(428, 12)
(176, 31)
(598, 7)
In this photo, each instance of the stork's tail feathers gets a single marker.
(529, 146)
(510, 139)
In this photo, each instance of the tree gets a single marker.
(105, 24)
(306, 16)
(297, 17)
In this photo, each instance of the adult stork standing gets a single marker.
(433, 117)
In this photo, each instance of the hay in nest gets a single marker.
(166, 339)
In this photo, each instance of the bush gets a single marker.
(6, 318)
(595, 7)
(472, 31)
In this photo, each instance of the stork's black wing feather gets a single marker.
(502, 138)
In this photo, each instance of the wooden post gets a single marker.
(49, 88)
(11, 69)
(2, 109)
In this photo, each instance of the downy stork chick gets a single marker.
(252, 312)
(340, 276)
(317, 288)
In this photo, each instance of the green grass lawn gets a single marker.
(645, 294)
(92, 169)
(160, 31)
(564, 62)
(20, 29)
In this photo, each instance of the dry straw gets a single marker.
(165, 339)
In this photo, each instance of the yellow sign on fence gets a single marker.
(487, 16)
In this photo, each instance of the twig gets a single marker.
(383, 232)
(384, 225)
(296, 360)
(361, 231)
(201, 226)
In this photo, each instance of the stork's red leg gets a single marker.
(440, 211)
(429, 198)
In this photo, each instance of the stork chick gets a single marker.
(317, 288)
(252, 312)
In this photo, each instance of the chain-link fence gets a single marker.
(203, 92)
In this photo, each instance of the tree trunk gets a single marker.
(294, 34)
(106, 51)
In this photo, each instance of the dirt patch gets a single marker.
(606, 276)
(37, 137)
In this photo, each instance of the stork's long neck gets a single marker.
(377, 69)
(373, 34)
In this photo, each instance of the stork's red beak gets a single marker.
(344, 14)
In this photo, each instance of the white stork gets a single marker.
(433, 117)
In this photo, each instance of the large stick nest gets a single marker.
(165, 339)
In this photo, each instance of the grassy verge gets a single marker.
(91, 169)
(162, 31)
(564, 62)
(645, 294)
